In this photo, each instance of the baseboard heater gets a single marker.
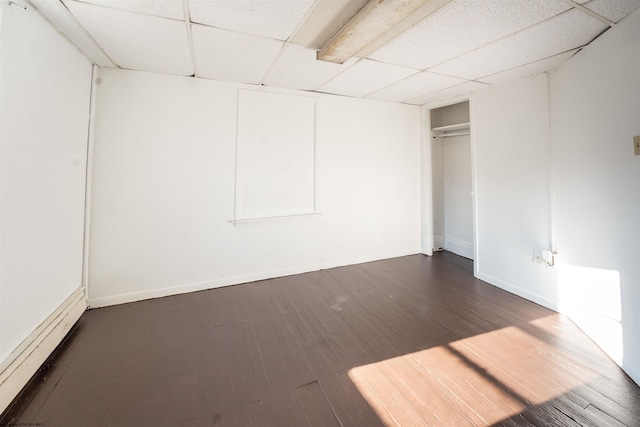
(18, 368)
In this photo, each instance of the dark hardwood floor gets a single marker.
(401, 342)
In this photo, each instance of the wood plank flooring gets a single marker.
(409, 341)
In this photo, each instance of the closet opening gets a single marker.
(452, 180)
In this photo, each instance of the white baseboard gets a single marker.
(194, 287)
(438, 241)
(18, 368)
(531, 296)
(361, 260)
(229, 281)
(459, 247)
(632, 371)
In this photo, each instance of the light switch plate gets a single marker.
(636, 145)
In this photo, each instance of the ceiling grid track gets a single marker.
(67, 37)
(444, 47)
(590, 13)
(574, 50)
(187, 21)
(338, 75)
(287, 42)
(500, 39)
(275, 61)
(394, 83)
(84, 30)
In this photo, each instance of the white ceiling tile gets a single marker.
(419, 84)
(298, 68)
(613, 10)
(231, 56)
(275, 19)
(560, 34)
(461, 89)
(165, 8)
(365, 77)
(136, 41)
(531, 69)
(485, 40)
(62, 20)
(464, 25)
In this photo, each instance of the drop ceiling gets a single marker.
(462, 46)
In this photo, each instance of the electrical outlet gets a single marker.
(537, 257)
(636, 145)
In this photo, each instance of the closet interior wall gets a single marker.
(452, 180)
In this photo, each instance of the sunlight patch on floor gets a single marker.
(474, 381)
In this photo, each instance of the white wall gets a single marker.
(429, 185)
(163, 189)
(437, 173)
(512, 153)
(452, 202)
(457, 199)
(369, 180)
(595, 110)
(45, 88)
(452, 199)
(555, 169)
